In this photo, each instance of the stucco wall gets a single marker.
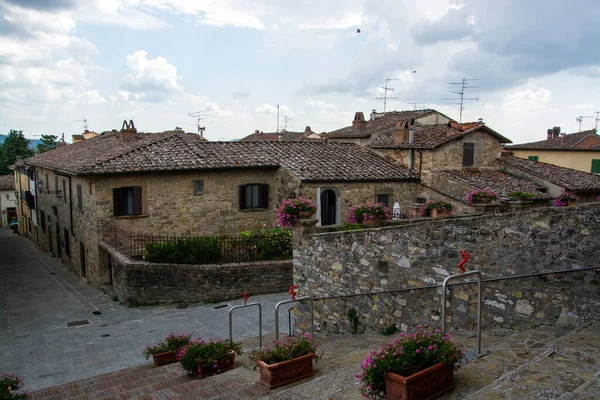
(579, 160)
(545, 239)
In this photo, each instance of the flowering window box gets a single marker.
(428, 384)
(223, 365)
(166, 358)
(283, 373)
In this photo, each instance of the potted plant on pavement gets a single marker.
(207, 358)
(10, 387)
(416, 366)
(369, 214)
(482, 196)
(293, 210)
(289, 361)
(436, 209)
(165, 351)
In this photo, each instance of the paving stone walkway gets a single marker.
(39, 297)
(542, 363)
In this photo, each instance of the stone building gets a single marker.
(580, 150)
(283, 135)
(8, 199)
(177, 183)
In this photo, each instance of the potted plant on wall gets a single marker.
(521, 196)
(165, 351)
(207, 358)
(436, 209)
(482, 196)
(369, 214)
(289, 361)
(416, 366)
(565, 199)
(293, 210)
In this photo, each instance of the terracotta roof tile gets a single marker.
(498, 181)
(382, 123)
(180, 151)
(567, 178)
(7, 182)
(586, 140)
(432, 136)
(281, 136)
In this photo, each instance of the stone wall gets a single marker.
(137, 282)
(425, 252)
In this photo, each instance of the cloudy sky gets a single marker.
(156, 61)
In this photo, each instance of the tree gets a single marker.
(48, 143)
(15, 145)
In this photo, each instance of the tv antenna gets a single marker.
(286, 119)
(580, 119)
(464, 84)
(597, 119)
(199, 115)
(414, 105)
(385, 91)
(84, 124)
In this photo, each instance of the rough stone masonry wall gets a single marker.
(137, 282)
(422, 254)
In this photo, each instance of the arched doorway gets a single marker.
(328, 207)
(82, 260)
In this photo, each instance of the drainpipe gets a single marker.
(420, 162)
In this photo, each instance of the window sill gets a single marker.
(132, 216)
(253, 209)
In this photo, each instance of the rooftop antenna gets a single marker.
(286, 119)
(385, 90)
(581, 117)
(597, 119)
(84, 124)
(277, 117)
(464, 84)
(414, 105)
(199, 115)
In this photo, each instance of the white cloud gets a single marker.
(321, 105)
(152, 79)
(272, 109)
(529, 100)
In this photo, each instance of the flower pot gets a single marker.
(435, 213)
(161, 359)
(306, 214)
(427, 384)
(372, 222)
(223, 365)
(275, 375)
(485, 200)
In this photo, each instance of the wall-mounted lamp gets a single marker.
(40, 185)
(7, 196)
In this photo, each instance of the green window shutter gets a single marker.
(533, 158)
(595, 166)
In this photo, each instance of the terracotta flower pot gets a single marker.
(306, 214)
(427, 384)
(435, 213)
(372, 222)
(223, 365)
(275, 375)
(161, 359)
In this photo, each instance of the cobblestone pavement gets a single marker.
(542, 363)
(39, 296)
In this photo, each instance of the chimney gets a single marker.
(359, 122)
(128, 131)
(307, 129)
(402, 134)
(556, 131)
(373, 113)
(256, 132)
(480, 120)
(549, 134)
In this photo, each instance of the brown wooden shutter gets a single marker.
(242, 197)
(137, 200)
(264, 196)
(79, 197)
(118, 201)
(468, 154)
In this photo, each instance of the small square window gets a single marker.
(198, 187)
(533, 158)
(595, 166)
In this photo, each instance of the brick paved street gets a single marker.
(38, 296)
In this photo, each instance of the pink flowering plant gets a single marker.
(286, 349)
(563, 199)
(367, 211)
(10, 387)
(289, 211)
(481, 195)
(172, 342)
(425, 210)
(201, 355)
(405, 356)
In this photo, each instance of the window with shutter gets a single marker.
(64, 191)
(254, 196)
(79, 198)
(533, 158)
(595, 166)
(127, 201)
(468, 154)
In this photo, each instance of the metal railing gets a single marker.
(259, 321)
(299, 299)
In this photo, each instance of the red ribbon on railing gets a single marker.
(245, 294)
(465, 257)
(293, 291)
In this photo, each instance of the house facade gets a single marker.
(176, 183)
(580, 151)
(8, 200)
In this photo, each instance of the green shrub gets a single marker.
(172, 342)
(202, 355)
(521, 195)
(284, 350)
(198, 250)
